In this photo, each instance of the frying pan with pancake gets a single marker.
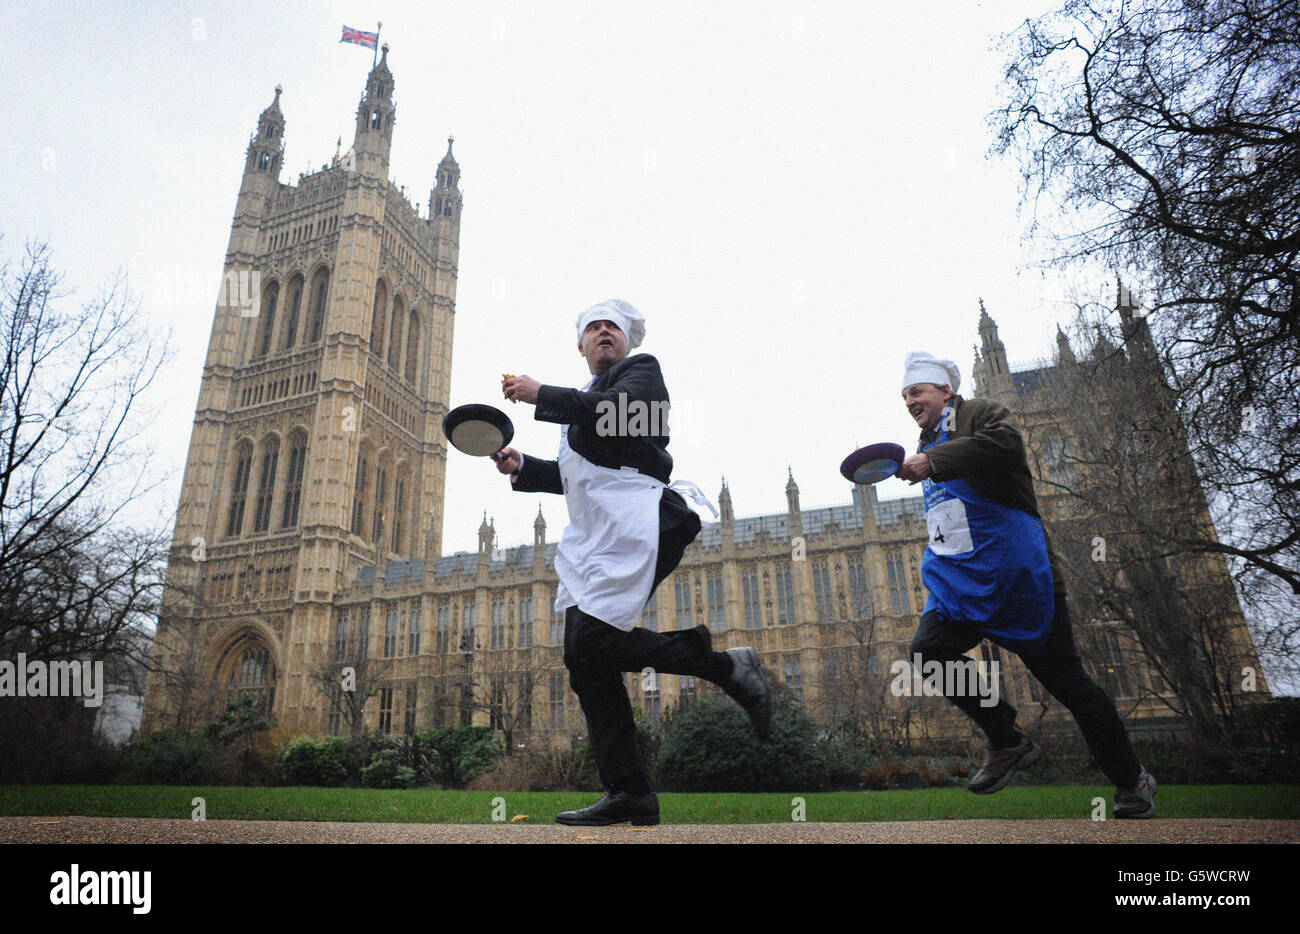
(873, 463)
(478, 430)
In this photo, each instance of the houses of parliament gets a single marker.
(309, 528)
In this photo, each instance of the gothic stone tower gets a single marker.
(316, 444)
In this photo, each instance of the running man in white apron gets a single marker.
(628, 528)
(992, 575)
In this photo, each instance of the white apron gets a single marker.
(606, 557)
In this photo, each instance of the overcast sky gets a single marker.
(794, 194)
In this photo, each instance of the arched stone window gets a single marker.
(266, 319)
(377, 318)
(399, 509)
(247, 668)
(239, 489)
(293, 481)
(359, 493)
(381, 497)
(412, 347)
(395, 337)
(295, 303)
(266, 485)
(319, 289)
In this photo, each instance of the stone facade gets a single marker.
(793, 585)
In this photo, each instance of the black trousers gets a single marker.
(1059, 670)
(597, 654)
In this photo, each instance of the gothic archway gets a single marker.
(248, 664)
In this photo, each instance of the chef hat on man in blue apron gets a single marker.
(922, 367)
(630, 321)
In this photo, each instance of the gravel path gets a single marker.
(155, 830)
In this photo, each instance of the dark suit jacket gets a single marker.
(637, 379)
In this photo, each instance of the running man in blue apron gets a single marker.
(992, 575)
(628, 527)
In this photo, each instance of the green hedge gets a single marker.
(168, 757)
(448, 758)
(709, 745)
(310, 760)
(462, 753)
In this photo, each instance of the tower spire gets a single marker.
(266, 148)
(791, 491)
(1064, 353)
(992, 372)
(1133, 325)
(375, 116)
(444, 199)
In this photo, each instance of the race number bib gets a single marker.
(949, 530)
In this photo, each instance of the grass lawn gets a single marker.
(476, 807)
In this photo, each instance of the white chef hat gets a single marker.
(922, 367)
(630, 321)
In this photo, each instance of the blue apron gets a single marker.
(987, 565)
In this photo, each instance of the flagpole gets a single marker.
(374, 59)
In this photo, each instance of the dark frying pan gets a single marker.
(873, 463)
(478, 430)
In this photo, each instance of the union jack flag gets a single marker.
(369, 39)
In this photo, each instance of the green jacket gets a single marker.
(987, 450)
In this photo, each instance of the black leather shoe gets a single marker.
(749, 689)
(615, 808)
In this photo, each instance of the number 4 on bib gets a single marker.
(948, 528)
